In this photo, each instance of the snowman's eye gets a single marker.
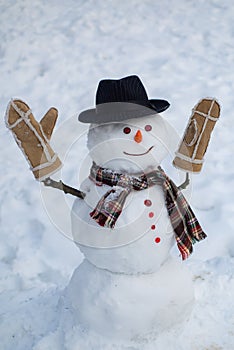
(148, 128)
(127, 130)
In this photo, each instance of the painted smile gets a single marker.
(138, 154)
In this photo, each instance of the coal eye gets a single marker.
(148, 128)
(127, 130)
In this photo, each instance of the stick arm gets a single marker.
(63, 187)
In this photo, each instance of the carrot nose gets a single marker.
(138, 136)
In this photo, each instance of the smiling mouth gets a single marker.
(138, 154)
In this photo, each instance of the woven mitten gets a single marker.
(197, 134)
(33, 138)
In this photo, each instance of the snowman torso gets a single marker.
(141, 239)
(143, 236)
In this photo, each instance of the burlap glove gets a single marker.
(197, 134)
(33, 137)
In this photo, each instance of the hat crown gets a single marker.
(128, 89)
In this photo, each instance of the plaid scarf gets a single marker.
(185, 224)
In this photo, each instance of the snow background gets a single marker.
(53, 53)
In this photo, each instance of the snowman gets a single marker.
(129, 213)
(128, 284)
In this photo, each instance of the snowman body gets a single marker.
(128, 284)
(142, 237)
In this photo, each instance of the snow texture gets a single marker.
(53, 54)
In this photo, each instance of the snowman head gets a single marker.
(126, 132)
(133, 145)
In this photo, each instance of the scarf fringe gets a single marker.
(100, 218)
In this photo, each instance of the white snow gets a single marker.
(53, 54)
(156, 301)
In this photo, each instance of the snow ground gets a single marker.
(54, 53)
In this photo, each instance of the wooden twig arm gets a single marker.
(185, 183)
(63, 187)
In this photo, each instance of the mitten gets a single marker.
(197, 134)
(33, 138)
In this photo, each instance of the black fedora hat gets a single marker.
(121, 99)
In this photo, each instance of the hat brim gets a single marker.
(119, 111)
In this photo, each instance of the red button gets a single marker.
(151, 214)
(148, 202)
(153, 227)
(157, 240)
